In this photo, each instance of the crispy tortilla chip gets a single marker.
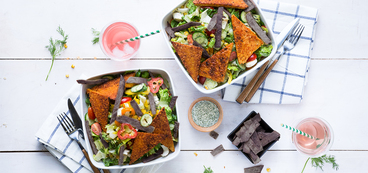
(239, 4)
(190, 56)
(126, 77)
(161, 124)
(143, 143)
(215, 67)
(100, 106)
(108, 89)
(246, 41)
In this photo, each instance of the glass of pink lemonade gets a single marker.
(318, 128)
(115, 32)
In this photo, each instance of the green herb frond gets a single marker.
(207, 170)
(319, 162)
(96, 33)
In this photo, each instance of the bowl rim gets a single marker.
(166, 18)
(100, 165)
(205, 129)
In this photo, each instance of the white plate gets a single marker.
(199, 86)
(84, 107)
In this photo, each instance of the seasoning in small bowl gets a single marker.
(205, 114)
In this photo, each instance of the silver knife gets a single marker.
(76, 119)
(279, 42)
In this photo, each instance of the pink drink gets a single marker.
(317, 128)
(115, 32)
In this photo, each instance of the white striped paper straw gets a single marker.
(299, 131)
(137, 37)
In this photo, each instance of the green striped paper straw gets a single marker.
(299, 131)
(137, 37)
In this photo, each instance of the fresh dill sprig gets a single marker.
(319, 162)
(56, 47)
(96, 39)
(207, 170)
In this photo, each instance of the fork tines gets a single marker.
(296, 34)
(66, 122)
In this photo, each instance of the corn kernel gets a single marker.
(67, 76)
(212, 35)
(185, 13)
(202, 24)
(66, 46)
(195, 154)
(206, 87)
(268, 169)
(139, 118)
(186, 33)
(73, 65)
(226, 43)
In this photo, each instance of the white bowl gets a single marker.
(200, 87)
(84, 110)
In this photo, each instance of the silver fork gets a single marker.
(289, 44)
(73, 134)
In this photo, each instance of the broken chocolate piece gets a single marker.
(214, 134)
(254, 25)
(136, 107)
(254, 169)
(135, 123)
(270, 137)
(119, 95)
(92, 82)
(218, 27)
(186, 26)
(217, 150)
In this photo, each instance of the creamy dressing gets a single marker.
(205, 113)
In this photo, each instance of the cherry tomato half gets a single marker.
(252, 57)
(96, 128)
(125, 99)
(202, 79)
(129, 109)
(190, 39)
(91, 114)
(210, 32)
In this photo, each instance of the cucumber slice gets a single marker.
(202, 40)
(241, 66)
(139, 88)
(242, 17)
(198, 34)
(146, 120)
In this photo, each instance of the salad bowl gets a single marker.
(84, 109)
(169, 17)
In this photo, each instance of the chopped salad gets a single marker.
(115, 141)
(204, 34)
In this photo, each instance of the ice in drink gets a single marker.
(317, 128)
(115, 32)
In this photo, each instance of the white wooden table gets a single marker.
(336, 90)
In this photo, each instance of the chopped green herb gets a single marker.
(96, 35)
(320, 161)
(207, 170)
(56, 47)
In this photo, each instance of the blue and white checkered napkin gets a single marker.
(285, 84)
(56, 141)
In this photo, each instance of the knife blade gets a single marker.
(76, 119)
(279, 42)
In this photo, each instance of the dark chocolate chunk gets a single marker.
(104, 143)
(119, 95)
(214, 134)
(93, 82)
(217, 150)
(254, 169)
(153, 156)
(176, 130)
(137, 80)
(172, 102)
(212, 23)
(204, 51)
(89, 136)
(218, 27)
(254, 25)
(121, 154)
(270, 137)
(135, 123)
(186, 26)
(152, 103)
(136, 107)
(250, 5)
